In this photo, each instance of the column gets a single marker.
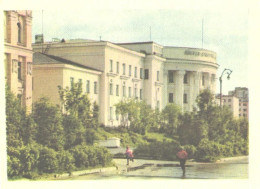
(191, 90)
(197, 81)
(179, 88)
(165, 88)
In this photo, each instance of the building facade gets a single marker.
(232, 103)
(242, 94)
(18, 54)
(144, 71)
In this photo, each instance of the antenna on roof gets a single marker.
(42, 30)
(202, 33)
(150, 33)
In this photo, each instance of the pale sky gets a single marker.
(225, 32)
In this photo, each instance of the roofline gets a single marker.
(66, 61)
(133, 43)
(190, 48)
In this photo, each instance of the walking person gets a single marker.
(129, 155)
(182, 155)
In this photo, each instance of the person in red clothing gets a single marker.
(182, 155)
(129, 155)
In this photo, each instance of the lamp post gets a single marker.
(228, 72)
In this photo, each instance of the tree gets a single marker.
(170, 116)
(76, 103)
(49, 121)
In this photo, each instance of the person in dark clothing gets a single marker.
(129, 155)
(182, 155)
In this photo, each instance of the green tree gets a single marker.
(49, 121)
(170, 116)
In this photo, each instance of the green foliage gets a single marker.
(66, 161)
(49, 121)
(48, 161)
(74, 132)
(170, 116)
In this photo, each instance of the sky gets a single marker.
(224, 32)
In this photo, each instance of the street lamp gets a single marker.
(228, 72)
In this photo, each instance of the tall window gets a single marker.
(185, 99)
(170, 75)
(111, 88)
(203, 80)
(111, 113)
(170, 97)
(95, 88)
(19, 70)
(129, 91)
(136, 92)
(141, 94)
(185, 79)
(130, 70)
(135, 72)
(111, 65)
(158, 75)
(123, 69)
(158, 104)
(124, 91)
(80, 82)
(141, 73)
(117, 90)
(19, 28)
(71, 82)
(5, 25)
(88, 86)
(117, 67)
(146, 74)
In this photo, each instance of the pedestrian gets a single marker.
(182, 155)
(129, 155)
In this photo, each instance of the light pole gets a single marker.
(228, 72)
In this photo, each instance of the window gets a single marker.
(71, 82)
(244, 104)
(136, 92)
(229, 100)
(135, 72)
(158, 75)
(244, 115)
(123, 90)
(224, 100)
(117, 90)
(141, 94)
(80, 82)
(19, 70)
(185, 98)
(19, 27)
(111, 113)
(203, 80)
(5, 25)
(170, 75)
(244, 110)
(141, 73)
(123, 69)
(170, 97)
(111, 88)
(129, 91)
(117, 67)
(146, 74)
(111, 65)
(185, 79)
(88, 86)
(95, 87)
(130, 70)
(158, 104)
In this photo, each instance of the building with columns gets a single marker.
(143, 70)
(18, 54)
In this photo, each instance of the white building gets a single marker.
(144, 70)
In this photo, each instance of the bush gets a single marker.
(191, 150)
(48, 162)
(66, 161)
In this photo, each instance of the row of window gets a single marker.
(111, 90)
(88, 85)
(185, 98)
(146, 71)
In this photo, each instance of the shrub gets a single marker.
(48, 162)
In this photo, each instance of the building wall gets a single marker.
(198, 65)
(47, 78)
(232, 103)
(18, 54)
